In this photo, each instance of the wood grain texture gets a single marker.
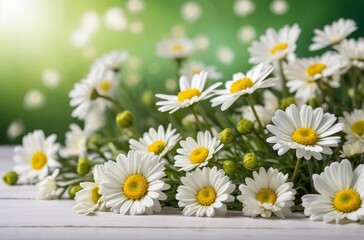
(24, 217)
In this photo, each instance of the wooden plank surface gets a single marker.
(23, 217)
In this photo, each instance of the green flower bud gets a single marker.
(93, 140)
(250, 161)
(229, 167)
(313, 103)
(73, 190)
(148, 99)
(245, 126)
(124, 119)
(10, 178)
(285, 102)
(83, 166)
(227, 136)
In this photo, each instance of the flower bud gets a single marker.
(73, 190)
(285, 102)
(10, 178)
(245, 126)
(227, 136)
(250, 161)
(83, 166)
(94, 140)
(148, 99)
(313, 103)
(229, 167)
(124, 119)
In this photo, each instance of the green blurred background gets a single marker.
(48, 45)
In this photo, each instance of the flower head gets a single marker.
(47, 187)
(353, 51)
(352, 150)
(341, 194)
(176, 48)
(194, 67)
(75, 141)
(354, 125)
(112, 61)
(305, 130)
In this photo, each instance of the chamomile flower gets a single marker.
(275, 45)
(354, 125)
(204, 192)
(341, 194)
(176, 48)
(195, 67)
(191, 92)
(332, 34)
(353, 51)
(133, 184)
(197, 153)
(266, 194)
(89, 199)
(352, 150)
(48, 186)
(75, 141)
(304, 74)
(112, 61)
(84, 95)
(36, 156)
(243, 85)
(307, 131)
(159, 142)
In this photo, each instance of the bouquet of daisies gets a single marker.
(286, 135)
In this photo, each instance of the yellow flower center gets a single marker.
(266, 195)
(347, 200)
(196, 71)
(305, 136)
(199, 155)
(39, 159)
(157, 147)
(358, 127)
(206, 196)
(241, 84)
(278, 47)
(95, 195)
(135, 187)
(105, 85)
(177, 48)
(314, 69)
(188, 94)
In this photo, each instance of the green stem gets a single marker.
(283, 78)
(310, 172)
(117, 104)
(205, 119)
(196, 117)
(250, 102)
(295, 172)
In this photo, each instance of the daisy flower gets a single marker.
(36, 156)
(159, 142)
(341, 194)
(175, 48)
(112, 61)
(197, 153)
(204, 192)
(352, 150)
(354, 125)
(353, 51)
(332, 34)
(133, 184)
(191, 92)
(85, 95)
(89, 199)
(195, 67)
(75, 141)
(243, 85)
(268, 192)
(48, 186)
(307, 131)
(275, 45)
(304, 74)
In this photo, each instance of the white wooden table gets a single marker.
(23, 217)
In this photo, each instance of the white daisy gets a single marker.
(15, 129)
(197, 153)
(275, 45)
(195, 67)
(341, 194)
(48, 186)
(176, 48)
(75, 141)
(353, 51)
(133, 184)
(36, 156)
(243, 85)
(307, 131)
(354, 125)
(115, 19)
(204, 192)
(191, 92)
(332, 34)
(191, 11)
(304, 74)
(352, 150)
(84, 95)
(89, 199)
(268, 192)
(113, 61)
(159, 142)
